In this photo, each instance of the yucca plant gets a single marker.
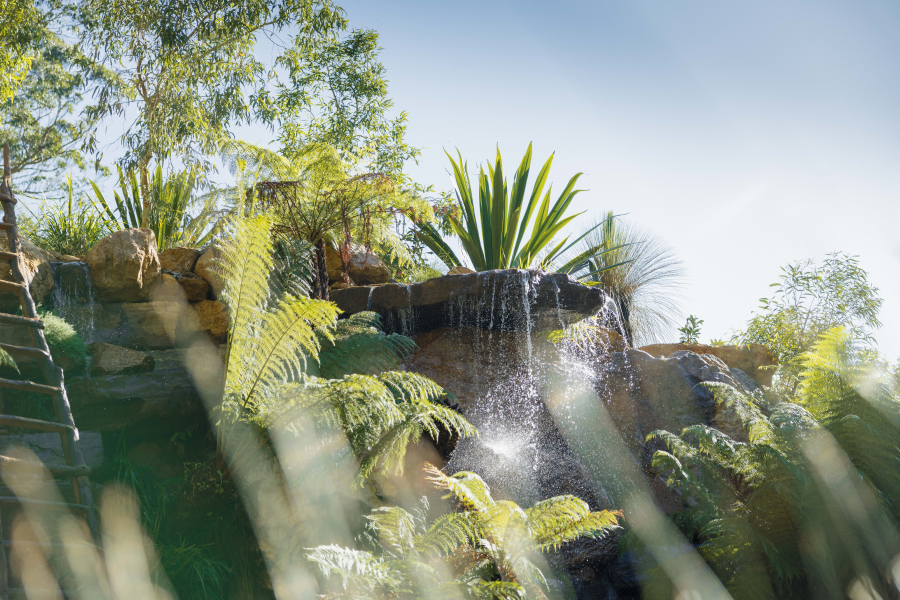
(170, 200)
(504, 231)
(485, 549)
(807, 505)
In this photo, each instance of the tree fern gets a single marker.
(358, 345)
(486, 549)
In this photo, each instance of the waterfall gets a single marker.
(73, 297)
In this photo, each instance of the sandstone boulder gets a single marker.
(460, 271)
(179, 260)
(124, 266)
(753, 359)
(109, 359)
(168, 289)
(364, 268)
(207, 316)
(208, 268)
(37, 272)
(195, 288)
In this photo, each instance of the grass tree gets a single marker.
(486, 548)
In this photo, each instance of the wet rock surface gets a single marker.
(509, 300)
(163, 400)
(109, 359)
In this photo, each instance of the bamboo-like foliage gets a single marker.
(170, 199)
(823, 468)
(503, 231)
(485, 549)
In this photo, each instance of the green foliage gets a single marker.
(357, 345)
(336, 94)
(807, 502)
(809, 300)
(71, 227)
(192, 568)
(486, 549)
(274, 337)
(15, 57)
(494, 237)
(690, 333)
(314, 196)
(7, 362)
(47, 132)
(636, 268)
(62, 339)
(188, 68)
(170, 199)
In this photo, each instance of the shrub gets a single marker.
(62, 338)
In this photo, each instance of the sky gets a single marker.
(746, 134)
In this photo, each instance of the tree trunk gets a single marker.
(146, 205)
(321, 290)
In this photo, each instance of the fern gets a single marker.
(357, 345)
(488, 548)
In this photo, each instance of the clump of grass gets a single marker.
(72, 226)
(62, 338)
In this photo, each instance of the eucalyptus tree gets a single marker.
(187, 68)
(16, 18)
(336, 93)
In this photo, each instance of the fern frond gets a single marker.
(465, 487)
(6, 361)
(395, 527)
(360, 571)
(447, 533)
(359, 346)
(564, 518)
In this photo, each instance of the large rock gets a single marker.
(510, 300)
(195, 288)
(124, 266)
(364, 267)
(163, 401)
(37, 272)
(755, 360)
(208, 267)
(208, 316)
(179, 260)
(109, 359)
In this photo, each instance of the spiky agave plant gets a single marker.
(485, 549)
(804, 505)
(639, 271)
(503, 231)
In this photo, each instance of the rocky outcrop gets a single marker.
(509, 300)
(195, 288)
(179, 260)
(208, 316)
(364, 267)
(109, 359)
(208, 268)
(460, 271)
(163, 400)
(37, 272)
(753, 359)
(124, 266)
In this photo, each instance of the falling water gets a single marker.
(73, 297)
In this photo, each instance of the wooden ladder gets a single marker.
(75, 468)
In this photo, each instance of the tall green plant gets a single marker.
(169, 218)
(490, 548)
(503, 231)
(71, 227)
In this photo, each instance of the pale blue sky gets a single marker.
(746, 134)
